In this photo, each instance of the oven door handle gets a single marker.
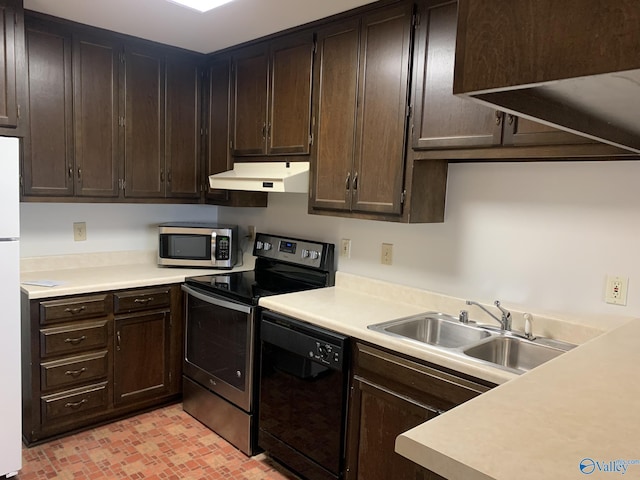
(217, 301)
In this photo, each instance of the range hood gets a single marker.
(290, 177)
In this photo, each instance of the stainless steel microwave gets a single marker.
(188, 244)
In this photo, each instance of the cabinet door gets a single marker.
(48, 147)
(249, 74)
(142, 362)
(218, 154)
(334, 104)
(96, 109)
(376, 418)
(382, 110)
(442, 120)
(8, 92)
(145, 174)
(522, 132)
(289, 126)
(182, 139)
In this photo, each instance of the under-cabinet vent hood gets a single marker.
(264, 177)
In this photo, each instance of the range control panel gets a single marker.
(293, 250)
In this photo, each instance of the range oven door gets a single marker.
(219, 346)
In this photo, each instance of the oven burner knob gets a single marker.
(259, 245)
(314, 255)
(305, 253)
(267, 246)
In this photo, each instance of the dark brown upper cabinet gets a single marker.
(11, 62)
(145, 174)
(182, 127)
(271, 97)
(218, 155)
(48, 164)
(96, 62)
(360, 108)
(442, 120)
(573, 64)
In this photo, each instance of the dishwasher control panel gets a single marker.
(327, 353)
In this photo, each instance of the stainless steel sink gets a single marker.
(436, 329)
(512, 353)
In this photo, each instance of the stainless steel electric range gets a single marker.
(222, 331)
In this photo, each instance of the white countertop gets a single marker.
(79, 274)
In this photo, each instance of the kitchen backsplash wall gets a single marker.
(47, 228)
(540, 235)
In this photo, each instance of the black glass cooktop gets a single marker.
(269, 278)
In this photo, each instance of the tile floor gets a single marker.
(163, 444)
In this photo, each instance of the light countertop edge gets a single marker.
(541, 425)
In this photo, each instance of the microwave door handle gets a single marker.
(213, 247)
(217, 301)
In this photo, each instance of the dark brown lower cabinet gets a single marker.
(88, 359)
(391, 394)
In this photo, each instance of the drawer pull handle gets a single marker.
(75, 341)
(75, 373)
(75, 310)
(76, 404)
(143, 300)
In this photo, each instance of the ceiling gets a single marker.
(165, 22)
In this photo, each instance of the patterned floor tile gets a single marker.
(166, 444)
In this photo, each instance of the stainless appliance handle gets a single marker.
(217, 301)
(213, 247)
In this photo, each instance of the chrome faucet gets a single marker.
(504, 321)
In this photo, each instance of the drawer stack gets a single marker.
(91, 358)
(74, 358)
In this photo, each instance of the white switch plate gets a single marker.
(387, 254)
(79, 231)
(345, 248)
(616, 290)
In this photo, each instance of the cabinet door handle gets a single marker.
(498, 117)
(75, 373)
(76, 404)
(162, 175)
(79, 173)
(118, 340)
(75, 310)
(510, 119)
(264, 130)
(143, 300)
(269, 130)
(355, 181)
(348, 181)
(169, 175)
(70, 172)
(75, 341)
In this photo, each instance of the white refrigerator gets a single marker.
(10, 398)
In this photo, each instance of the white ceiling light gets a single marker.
(201, 5)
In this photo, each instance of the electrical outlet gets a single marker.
(252, 232)
(387, 254)
(345, 248)
(616, 292)
(79, 231)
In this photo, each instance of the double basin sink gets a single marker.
(481, 343)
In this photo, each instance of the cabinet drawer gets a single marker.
(430, 386)
(73, 402)
(71, 339)
(56, 311)
(146, 299)
(68, 372)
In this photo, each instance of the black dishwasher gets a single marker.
(303, 392)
